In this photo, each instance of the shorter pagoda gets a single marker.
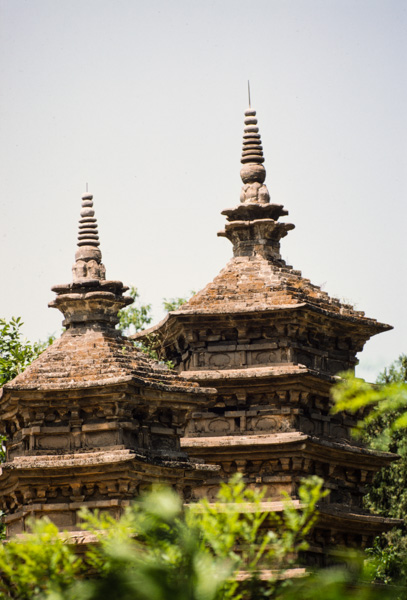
(93, 421)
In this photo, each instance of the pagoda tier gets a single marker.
(272, 344)
(93, 421)
(277, 462)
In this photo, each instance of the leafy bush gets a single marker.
(160, 550)
(15, 352)
(382, 425)
(136, 317)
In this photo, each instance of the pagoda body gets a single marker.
(92, 421)
(272, 344)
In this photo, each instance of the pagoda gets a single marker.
(272, 344)
(93, 421)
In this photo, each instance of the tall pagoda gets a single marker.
(272, 344)
(92, 421)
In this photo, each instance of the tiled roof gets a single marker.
(256, 283)
(96, 358)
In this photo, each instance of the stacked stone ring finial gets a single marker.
(88, 257)
(253, 173)
(88, 228)
(252, 149)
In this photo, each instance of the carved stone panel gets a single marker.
(220, 360)
(55, 442)
(266, 357)
(219, 426)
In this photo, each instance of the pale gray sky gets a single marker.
(145, 101)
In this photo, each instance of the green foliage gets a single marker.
(389, 557)
(171, 304)
(386, 404)
(37, 564)
(351, 583)
(151, 553)
(15, 353)
(160, 550)
(397, 372)
(3, 439)
(388, 494)
(252, 538)
(135, 317)
(383, 427)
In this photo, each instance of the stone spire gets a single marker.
(88, 257)
(90, 301)
(253, 226)
(253, 173)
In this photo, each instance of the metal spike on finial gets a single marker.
(248, 89)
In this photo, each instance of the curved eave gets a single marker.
(47, 465)
(103, 384)
(370, 326)
(279, 442)
(355, 522)
(280, 371)
(328, 514)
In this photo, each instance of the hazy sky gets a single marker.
(145, 101)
